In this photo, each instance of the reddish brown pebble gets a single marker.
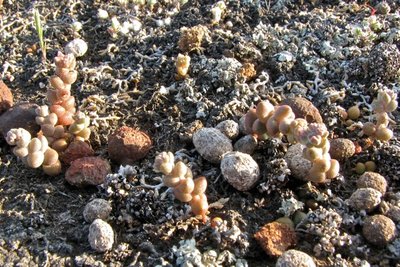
(6, 97)
(379, 230)
(275, 238)
(20, 116)
(303, 108)
(341, 149)
(76, 150)
(127, 145)
(87, 171)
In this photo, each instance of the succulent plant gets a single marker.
(179, 177)
(268, 121)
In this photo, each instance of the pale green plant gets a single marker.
(39, 31)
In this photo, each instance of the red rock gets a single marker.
(127, 145)
(6, 97)
(87, 171)
(76, 150)
(275, 238)
(303, 108)
(21, 115)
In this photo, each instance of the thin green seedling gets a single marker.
(39, 31)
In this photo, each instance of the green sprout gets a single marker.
(39, 30)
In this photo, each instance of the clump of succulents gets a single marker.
(382, 106)
(54, 137)
(179, 177)
(268, 121)
(34, 152)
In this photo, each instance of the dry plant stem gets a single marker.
(179, 177)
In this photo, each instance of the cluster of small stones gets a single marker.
(266, 121)
(179, 177)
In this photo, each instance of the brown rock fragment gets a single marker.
(6, 97)
(275, 238)
(127, 145)
(20, 116)
(379, 230)
(341, 149)
(303, 108)
(76, 149)
(87, 171)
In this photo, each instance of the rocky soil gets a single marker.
(336, 54)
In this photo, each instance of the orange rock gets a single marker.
(6, 97)
(127, 145)
(275, 238)
(87, 171)
(76, 150)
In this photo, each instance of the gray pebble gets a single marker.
(211, 144)
(240, 170)
(365, 199)
(295, 258)
(298, 165)
(379, 230)
(229, 127)
(97, 209)
(101, 235)
(246, 144)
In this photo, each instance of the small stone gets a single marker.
(20, 116)
(229, 127)
(295, 258)
(275, 238)
(101, 235)
(127, 145)
(211, 144)
(365, 199)
(87, 171)
(246, 144)
(98, 208)
(390, 210)
(298, 165)
(76, 149)
(240, 170)
(77, 47)
(341, 149)
(373, 180)
(379, 230)
(6, 97)
(303, 108)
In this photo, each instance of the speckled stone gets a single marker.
(275, 238)
(365, 199)
(379, 230)
(211, 144)
(97, 209)
(101, 235)
(246, 144)
(87, 171)
(229, 127)
(341, 149)
(372, 180)
(240, 170)
(295, 258)
(298, 165)
(127, 145)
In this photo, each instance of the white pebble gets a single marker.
(101, 235)
(211, 144)
(240, 170)
(77, 47)
(295, 258)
